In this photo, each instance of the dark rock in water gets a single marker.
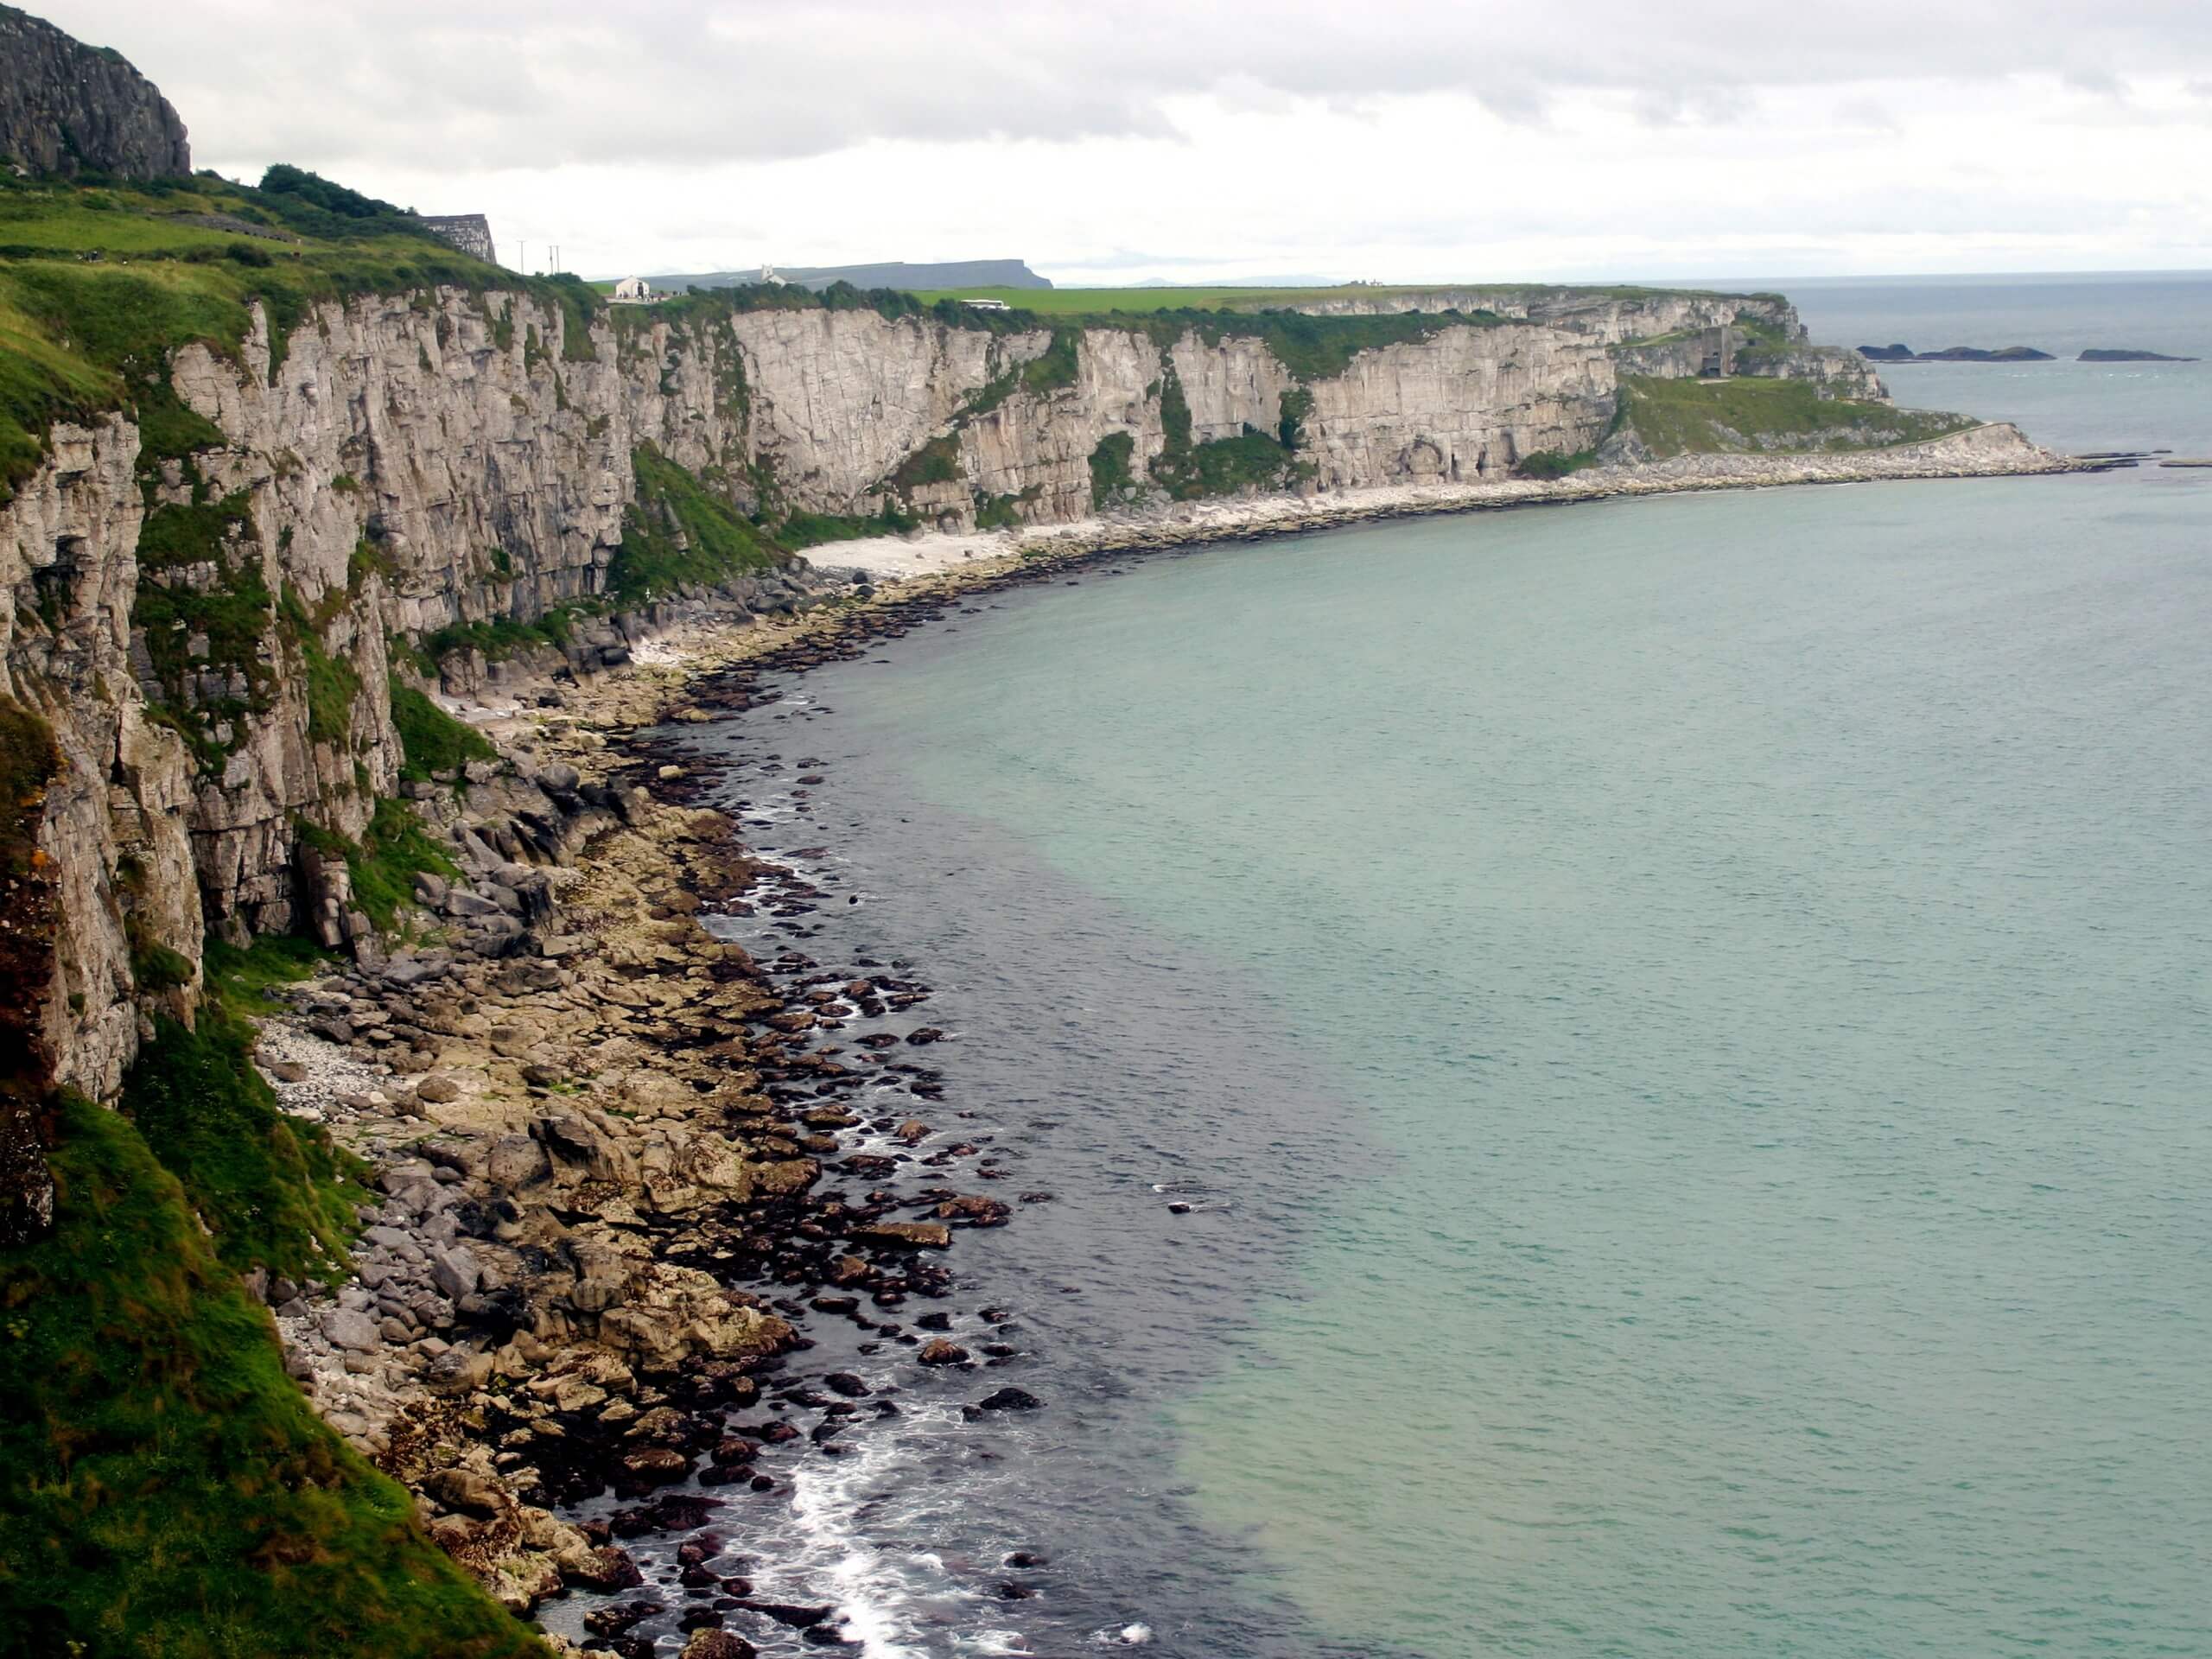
(1178, 1208)
(2121, 354)
(1009, 1399)
(606, 1569)
(942, 1350)
(657, 1466)
(1010, 1591)
(685, 1511)
(1028, 1558)
(799, 1618)
(718, 1645)
(846, 1383)
(1892, 353)
(613, 1621)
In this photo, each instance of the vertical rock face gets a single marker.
(68, 108)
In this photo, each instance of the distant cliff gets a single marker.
(67, 108)
(894, 273)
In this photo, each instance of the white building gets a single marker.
(768, 277)
(634, 290)
(987, 305)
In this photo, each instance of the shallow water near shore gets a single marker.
(1682, 1024)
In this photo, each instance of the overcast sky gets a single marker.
(1398, 139)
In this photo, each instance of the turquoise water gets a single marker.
(1684, 1028)
(2068, 404)
(1744, 963)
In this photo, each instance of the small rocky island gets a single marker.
(1903, 353)
(1900, 353)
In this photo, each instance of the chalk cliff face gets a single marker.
(398, 463)
(67, 108)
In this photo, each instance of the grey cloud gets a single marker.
(507, 84)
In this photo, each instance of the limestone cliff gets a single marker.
(398, 463)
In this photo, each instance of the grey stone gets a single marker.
(517, 1161)
(453, 1270)
(351, 1330)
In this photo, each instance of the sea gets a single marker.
(1622, 1079)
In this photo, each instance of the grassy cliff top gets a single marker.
(100, 283)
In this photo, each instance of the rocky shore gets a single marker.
(1995, 450)
(617, 1166)
(621, 1165)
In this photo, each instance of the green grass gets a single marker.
(274, 1193)
(239, 978)
(166, 1492)
(497, 638)
(1551, 464)
(937, 461)
(1109, 467)
(803, 530)
(431, 740)
(331, 682)
(716, 541)
(100, 285)
(392, 851)
(1676, 418)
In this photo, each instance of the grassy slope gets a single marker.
(679, 532)
(1678, 417)
(99, 284)
(169, 1494)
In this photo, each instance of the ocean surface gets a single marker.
(1681, 1029)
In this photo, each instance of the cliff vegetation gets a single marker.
(170, 1493)
(1685, 416)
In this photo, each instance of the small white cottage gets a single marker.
(633, 290)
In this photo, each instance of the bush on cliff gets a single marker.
(679, 532)
(1676, 418)
(166, 1492)
(431, 740)
(1548, 464)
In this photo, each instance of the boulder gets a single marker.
(904, 1235)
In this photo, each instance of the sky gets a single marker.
(1397, 140)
